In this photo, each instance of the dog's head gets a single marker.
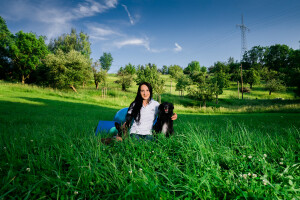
(122, 130)
(166, 108)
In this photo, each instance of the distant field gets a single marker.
(237, 149)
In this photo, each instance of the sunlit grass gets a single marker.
(257, 92)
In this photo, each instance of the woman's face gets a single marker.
(145, 93)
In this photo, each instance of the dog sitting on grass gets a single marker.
(164, 123)
(122, 130)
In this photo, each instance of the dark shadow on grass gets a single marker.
(52, 115)
(103, 113)
(266, 123)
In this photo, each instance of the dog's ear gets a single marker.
(160, 108)
(171, 106)
(118, 127)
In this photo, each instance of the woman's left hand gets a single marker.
(174, 117)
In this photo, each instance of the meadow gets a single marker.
(238, 149)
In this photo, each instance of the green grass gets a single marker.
(257, 92)
(48, 149)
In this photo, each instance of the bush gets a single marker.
(245, 90)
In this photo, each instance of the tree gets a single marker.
(254, 58)
(296, 80)
(252, 77)
(293, 74)
(204, 90)
(146, 74)
(106, 61)
(219, 66)
(270, 74)
(219, 82)
(294, 69)
(274, 85)
(130, 69)
(124, 79)
(182, 83)
(193, 66)
(234, 69)
(67, 69)
(203, 69)
(276, 57)
(5, 39)
(197, 77)
(158, 87)
(294, 59)
(73, 41)
(100, 75)
(164, 69)
(175, 71)
(27, 52)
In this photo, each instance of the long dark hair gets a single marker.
(138, 102)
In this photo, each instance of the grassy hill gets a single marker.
(236, 149)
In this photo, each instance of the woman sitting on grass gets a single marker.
(143, 111)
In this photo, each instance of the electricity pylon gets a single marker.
(244, 47)
(243, 34)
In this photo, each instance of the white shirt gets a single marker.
(147, 117)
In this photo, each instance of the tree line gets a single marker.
(276, 66)
(65, 62)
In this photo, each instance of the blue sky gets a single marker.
(163, 32)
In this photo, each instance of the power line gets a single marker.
(243, 36)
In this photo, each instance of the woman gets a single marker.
(143, 111)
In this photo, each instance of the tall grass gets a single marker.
(48, 150)
(231, 161)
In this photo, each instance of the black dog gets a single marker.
(164, 123)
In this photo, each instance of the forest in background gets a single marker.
(66, 63)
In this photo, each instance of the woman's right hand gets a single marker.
(174, 117)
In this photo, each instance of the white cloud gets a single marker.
(177, 48)
(128, 13)
(103, 32)
(138, 42)
(52, 17)
(133, 42)
(100, 32)
(111, 3)
(145, 43)
(91, 7)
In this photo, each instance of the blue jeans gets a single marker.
(142, 137)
